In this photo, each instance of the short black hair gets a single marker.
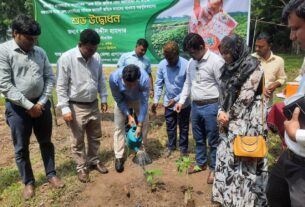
(265, 36)
(131, 73)
(297, 6)
(143, 42)
(89, 36)
(26, 25)
(193, 41)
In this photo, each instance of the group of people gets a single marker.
(223, 95)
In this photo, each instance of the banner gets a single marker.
(121, 22)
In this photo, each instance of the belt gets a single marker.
(295, 158)
(206, 101)
(83, 103)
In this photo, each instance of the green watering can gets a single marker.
(133, 142)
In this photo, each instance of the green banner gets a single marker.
(121, 22)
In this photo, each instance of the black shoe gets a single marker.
(119, 165)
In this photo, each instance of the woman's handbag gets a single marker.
(251, 146)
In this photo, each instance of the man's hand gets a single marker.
(151, 93)
(138, 131)
(178, 107)
(267, 92)
(68, 117)
(104, 107)
(36, 110)
(171, 103)
(223, 118)
(154, 108)
(131, 120)
(293, 125)
(273, 86)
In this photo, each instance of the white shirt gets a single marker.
(297, 147)
(79, 80)
(202, 78)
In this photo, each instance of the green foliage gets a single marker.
(8, 11)
(241, 28)
(150, 176)
(183, 165)
(270, 11)
(165, 31)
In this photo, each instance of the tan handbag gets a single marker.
(251, 146)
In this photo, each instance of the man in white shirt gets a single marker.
(201, 84)
(79, 79)
(287, 179)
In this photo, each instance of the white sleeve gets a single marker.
(186, 90)
(300, 136)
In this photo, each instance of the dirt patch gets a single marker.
(129, 188)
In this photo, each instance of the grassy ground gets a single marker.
(10, 185)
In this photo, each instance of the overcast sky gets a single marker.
(185, 7)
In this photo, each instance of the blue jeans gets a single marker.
(21, 125)
(204, 126)
(173, 118)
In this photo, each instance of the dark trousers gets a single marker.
(204, 126)
(173, 118)
(21, 125)
(286, 184)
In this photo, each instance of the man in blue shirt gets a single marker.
(171, 74)
(138, 58)
(130, 89)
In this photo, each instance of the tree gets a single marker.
(270, 11)
(9, 10)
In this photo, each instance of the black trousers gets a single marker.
(286, 184)
(22, 125)
(173, 119)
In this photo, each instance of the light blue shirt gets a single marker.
(173, 79)
(122, 95)
(25, 75)
(301, 88)
(132, 58)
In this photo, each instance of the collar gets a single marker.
(133, 53)
(178, 65)
(16, 47)
(80, 56)
(272, 57)
(205, 56)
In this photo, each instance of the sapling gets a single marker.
(183, 166)
(150, 177)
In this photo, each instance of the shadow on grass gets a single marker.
(8, 178)
(106, 155)
(66, 169)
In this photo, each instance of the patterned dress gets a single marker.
(241, 182)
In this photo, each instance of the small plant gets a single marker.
(150, 177)
(183, 166)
